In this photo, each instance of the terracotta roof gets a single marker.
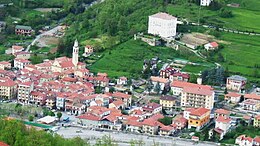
(102, 74)
(257, 117)
(167, 128)
(21, 53)
(66, 64)
(246, 117)
(179, 119)
(5, 63)
(157, 117)
(152, 123)
(233, 94)
(218, 130)
(168, 98)
(111, 118)
(257, 139)
(164, 16)
(7, 82)
(89, 116)
(22, 60)
(159, 79)
(222, 111)
(252, 96)
(17, 47)
(25, 84)
(3, 144)
(151, 106)
(199, 111)
(120, 95)
(248, 139)
(199, 91)
(214, 44)
(118, 103)
(182, 84)
(223, 119)
(134, 123)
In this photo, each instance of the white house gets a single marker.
(21, 63)
(242, 140)
(16, 49)
(122, 81)
(236, 83)
(223, 123)
(205, 2)
(159, 81)
(211, 46)
(162, 24)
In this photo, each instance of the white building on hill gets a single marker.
(162, 24)
(205, 2)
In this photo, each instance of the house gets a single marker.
(256, 141)
(222, 126)
(151, 126)
(16, 49)
(5, 65)
(205, 2)
(118, 104)
(252, 96)
(152, 108)
(168, 102)
(134, 126)
(221, 112)
(110, 122)
(194, 95)
(198, 118)
(236, 83)
(242, 140)
(162, 24)
(233, 97)
(167, 130)
(23, 30)
(22, 55)
(159, 83)
(180, 122)
(88, 50)
(127, 99)
(211, 46)
(60, 101)
(21, 63)
(24, 91)
(89, 120)
(179, 76)
(8, 88)
(257, 121)
(122, 81)
(251, 105)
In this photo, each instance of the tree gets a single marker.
(30, 118)
(59, 115)
(225, 13)
(51, 113)
(157, 88)
(166, 120)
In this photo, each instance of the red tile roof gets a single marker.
(181, 84)
(156, 117)
(223, 119)
(118, 103)
(257, 139)
(89, 116)
(134, 123)
(159, 79)
(252, 96)
(120, 95)
(7, 82)
(257, 117)
(17, 47)
(199, 111)
(233, 94)
(3, 144)
(214, 44)
(66, 64)
(199, 91)
(151, 106)
(222, 111)
(167, 128)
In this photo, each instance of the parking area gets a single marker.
(125, 138)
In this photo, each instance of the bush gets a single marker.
(225, 13)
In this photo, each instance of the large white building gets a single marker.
(162, 24)
(205, 2)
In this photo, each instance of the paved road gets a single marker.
(123, 138)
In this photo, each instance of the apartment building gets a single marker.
(24, 91)
(198, 118)
(8, 88)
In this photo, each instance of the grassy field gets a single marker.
(127, 58)
(246, 17)
(241, 54)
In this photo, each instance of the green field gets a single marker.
(246, 17)
(127, 58)
(241, 53)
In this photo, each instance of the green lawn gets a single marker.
(241, 53)
(246, 17)
(127, 58)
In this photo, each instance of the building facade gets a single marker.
(162, 24)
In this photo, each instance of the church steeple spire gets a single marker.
(75, 54)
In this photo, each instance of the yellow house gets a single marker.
(257, 121)
(168, 102)
(8, 88)
(198, 118)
